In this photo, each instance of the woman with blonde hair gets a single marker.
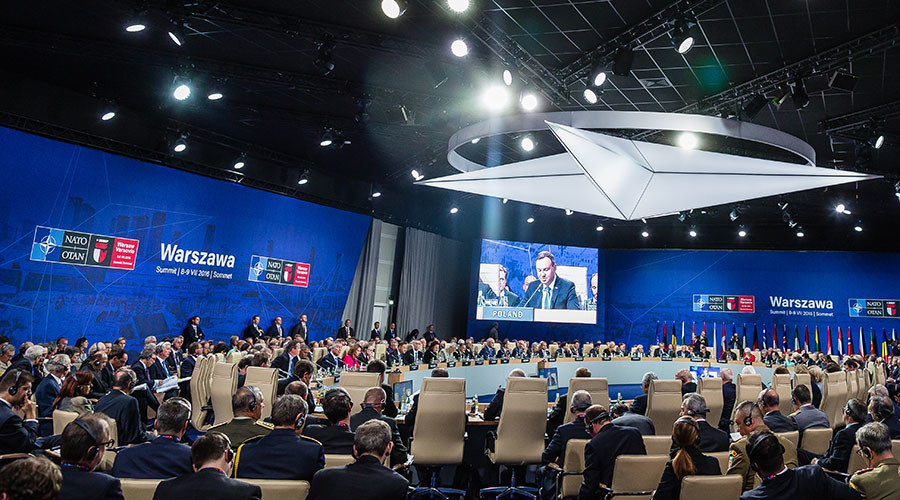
(688, 460)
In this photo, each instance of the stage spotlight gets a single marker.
(569, 212)
(108, 114)
(687, 140)
(693, 233)
(529, 101)
(509, 76)
(182, 91)
(800, 233)
(326, 140)
(879, 141)
(376, 193)
(590, 96)
(599, 78)
(840, 208)
(599, 228)
(858, 228)
(505, 201)
(527, 144)
(415, 173)
(683, 36)
(458, 5)
(733, 215)
(459, 48)
(176, 32)
(239, 163)
(742, 233)
(530, 220)
(215, 96)
(621, 65)
(798, 92)
(393, 8)
(135, 27)
(454, 210)
(304, 177)
(645, 234)
(475, 140)
(495, 97)
(180, 145)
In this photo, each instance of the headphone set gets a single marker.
(334, 393)
(701, 411)
(95, 447)
(13, 389)
(849, 411)
(603, 415)
(764, 436)
(694, 424)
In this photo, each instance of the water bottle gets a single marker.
(619, 398)
(475, 404)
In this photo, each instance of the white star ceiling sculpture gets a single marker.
(629, 179)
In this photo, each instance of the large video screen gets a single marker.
(537, 282)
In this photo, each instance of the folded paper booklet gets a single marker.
(167, 384)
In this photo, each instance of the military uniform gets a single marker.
(241, 429)
(881, 482)
(281, 454)
(738, 462)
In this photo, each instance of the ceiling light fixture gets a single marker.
(376, 194)
(858, 228)
(475, 140)
(108, 114)
(327, 139)
(530, 220)
(304, 177)
(239, 163)
(135, 27)
(683, 36)
(569, 212)
(590, 96)
(529, 101)
(599, 78)
(495, 97)
(799, 95)
(393, 8)
(176, 32)
(458, 5)
(645, 234)
(508, 77)
(622, 61)
(505, 201)
(182, 92)
(527, 144)
(693, 233)
(459, 48)
(687, 140)
(180, 144)
(800, 233)
(453, 210)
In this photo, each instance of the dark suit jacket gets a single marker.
(643, 424)
(252, 332)
(98, 385)
(600, 456)
(639, 405)
(712, 439)
(187, 366)
(776, 422)
(280, 454)
(189, 337)
(365, 478)
(157, 372)
(302, 330)
(25, 365)
(16, 435)
(688, 388)
(728, 395)
(107, 374)
(429, 336)
(390, 334)
(392, 357)
(492, 412)
(390, 408)
(79, 484)
(556, 450)
(342, 333)
(375, 335)
(204, 484)
(124, 410)
(329, 361)
(808, 482)
(398, 453)
(161, 458)
(143, 374)
(336, 439)
(44, 395)
(816, 395)
(563, 296)
(838, 455)
(283, 362)
(669, 487)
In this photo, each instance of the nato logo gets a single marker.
(857, 308)
(701, 303)
(257, 267)
(46, 244)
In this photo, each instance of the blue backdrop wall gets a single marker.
(794, 290)
(84, 192)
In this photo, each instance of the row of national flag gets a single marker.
(827, 340)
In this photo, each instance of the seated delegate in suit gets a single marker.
(712, 440)
(83, 443)
(838, 455)
(283, 453)
(17, 435)
(121, 407)
(165, 456)
(608, 441)
(432, 353)
(372, 406)
(554, 455)
(159, 370)
(492, 412)
(774, 420)
(94, 365)
(389, 409)
(141, 369)
(73, 394)
(246, 405)
(332, 360)
(639, 405)
(488, 351)
(729, 394)
(367, 477)
(805, 414)
(211, 456)
(688, 461)
(621, 416)
(32, 478)
(687, 381)
(881, 409)
(286, 360)
(48, 390)
(558, 414)
(550, 291)
(336, 436)
(766, 455)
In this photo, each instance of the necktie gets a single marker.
(291, 366)
(166, 370)
(546, 304)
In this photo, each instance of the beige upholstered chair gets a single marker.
(553, 348)
(281, 489)
(747, 387)
(816, 440)
(638, 473)
(853, 384)
(234, 357)
(598, 388)
(139, 489)
(723, 457)
(895, 447)
(223, 386)
(278, 351)
(711, 390)
(337, 460)
(266, 379)
(520, 433)
(834, 397)
(220, 357)
(61, 419)
(318, 353)
(707, 487)
(573, 466)
(380, 350)
(863, 388)
(657, 445)
(200, 393)
(664, 405)
(439, 433)
(793, 436)
(357, 383)
(782, 385)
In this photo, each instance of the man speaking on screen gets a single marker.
(550, 291)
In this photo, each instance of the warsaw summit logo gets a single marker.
(278, 271)
(84, 249)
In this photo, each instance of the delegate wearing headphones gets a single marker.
(17, 435)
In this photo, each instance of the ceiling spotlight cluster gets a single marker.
(684, 34)
(395, 8)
